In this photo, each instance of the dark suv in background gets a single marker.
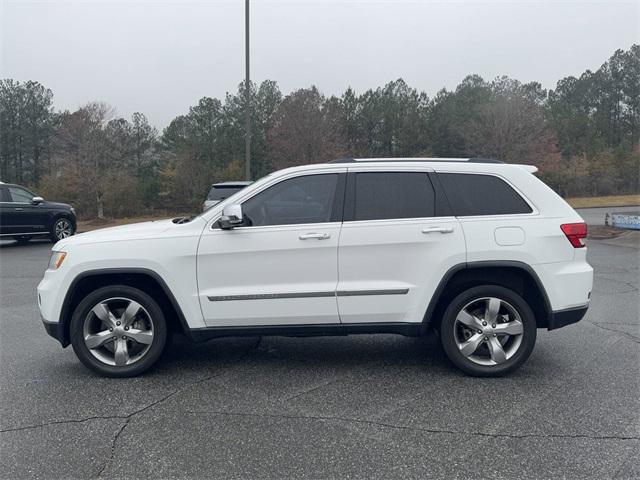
(24, 215)
(221, 191)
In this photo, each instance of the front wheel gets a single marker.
(488, 331)
(61, 228)
(118, 331)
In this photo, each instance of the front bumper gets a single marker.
(562, 318)
(56, 331)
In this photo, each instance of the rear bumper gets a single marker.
(567, 284)
(562, 318)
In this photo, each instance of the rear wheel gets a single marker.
(62, 228)
(488, 331)
(118, 331)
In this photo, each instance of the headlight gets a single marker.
(56, 260)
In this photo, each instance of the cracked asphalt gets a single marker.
(343, 407)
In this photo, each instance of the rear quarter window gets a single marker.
(477, 194)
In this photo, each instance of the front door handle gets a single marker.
(18, 209)
(316, 236)
(437, 230)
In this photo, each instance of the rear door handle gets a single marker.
(316, 236)
(437, 230)
(18, 209)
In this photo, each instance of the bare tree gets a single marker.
(305, 130)
(83, 147)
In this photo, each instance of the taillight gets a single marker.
(576, 233)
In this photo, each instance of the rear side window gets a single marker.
(387, 195)
(475, 194)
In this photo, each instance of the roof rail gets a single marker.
(414, 159)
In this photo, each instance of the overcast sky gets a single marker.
(161, 57)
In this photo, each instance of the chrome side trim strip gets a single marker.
(270, 296)
(278, 296)
(24, 233)
(357, 293)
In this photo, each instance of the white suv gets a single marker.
(481, 251)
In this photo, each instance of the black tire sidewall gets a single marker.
(448, 341)
(159, 325)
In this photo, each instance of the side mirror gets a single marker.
(231, 217)
(37, 200)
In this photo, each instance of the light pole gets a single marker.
(247, 96)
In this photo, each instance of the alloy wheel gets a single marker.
(488, 331)
(63, 229)
(118, 331)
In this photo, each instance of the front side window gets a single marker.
(307, 199)
(476, 194)
(20, 195)
(388, 195)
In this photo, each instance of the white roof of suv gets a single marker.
(417, 159)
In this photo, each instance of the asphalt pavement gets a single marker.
(341, 407)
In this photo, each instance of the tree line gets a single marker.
(583, 135)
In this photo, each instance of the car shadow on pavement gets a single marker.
(295, 353)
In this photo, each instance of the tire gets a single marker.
(22, 239)
(468, 331)
(61, 228)
(137, 337)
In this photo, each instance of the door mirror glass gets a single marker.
(231, 217)
(37, 200)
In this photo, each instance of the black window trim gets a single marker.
(442, 208)
(534, 210)
(337, 209)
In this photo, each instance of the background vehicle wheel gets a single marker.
(22, 239)
(488, 331)
(118, 331)
(61, 228)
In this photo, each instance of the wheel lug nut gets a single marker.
(124, 337)
(480, 331)
(118, 324)
(126, 328)
(493, 325)
(111, 329)
(495, 335)
(484, 324)
(486, 338)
